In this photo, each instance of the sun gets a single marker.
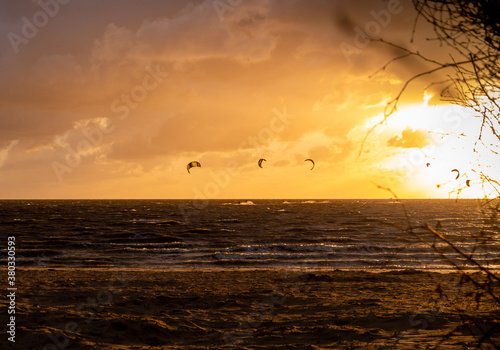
(433, 151)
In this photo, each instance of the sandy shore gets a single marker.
(245, 309)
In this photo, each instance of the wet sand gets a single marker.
(246, 309)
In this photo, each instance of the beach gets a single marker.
(247, 309)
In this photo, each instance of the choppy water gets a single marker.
(251, 234)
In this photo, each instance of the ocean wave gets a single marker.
(157, 250)
(246, 202)
(157, 222)
(230, 221)
(314, 202)
(360, 248)
(172, 245)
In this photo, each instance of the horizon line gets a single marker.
(238, 199)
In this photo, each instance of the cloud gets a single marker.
(58, 69)
(114, 45)
(324, 102)
(225, 78)
(4, 152)
(196, 33)
(410, 139)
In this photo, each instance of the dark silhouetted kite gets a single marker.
(193, 164)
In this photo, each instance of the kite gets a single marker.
(467, 183)
(193, 164)
(260, 162)
(310, 160)
(428, 164)
(458, 173)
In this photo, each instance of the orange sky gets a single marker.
(112, 100)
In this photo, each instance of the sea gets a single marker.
(251, 234)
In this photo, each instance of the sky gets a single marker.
(112, 99)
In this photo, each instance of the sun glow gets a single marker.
(424, 144)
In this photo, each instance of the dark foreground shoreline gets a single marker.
(246, 309)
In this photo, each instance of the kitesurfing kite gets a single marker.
(467, 183)
(428, 164)
(193, 164)
(458, 173)
(310, 160)
(260, 162)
